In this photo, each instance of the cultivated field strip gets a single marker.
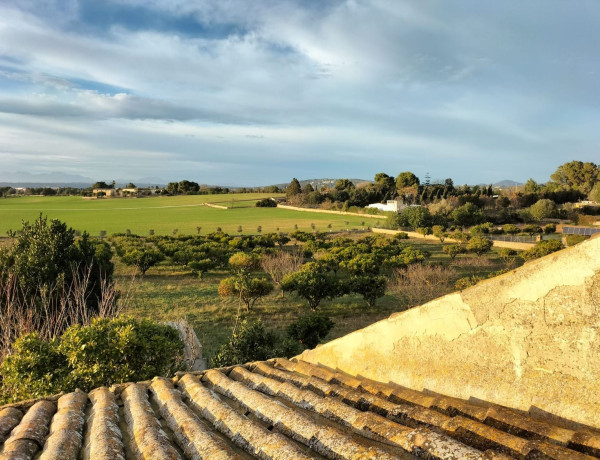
(278, 409)
(164, 214)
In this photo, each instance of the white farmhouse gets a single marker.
(390, 206)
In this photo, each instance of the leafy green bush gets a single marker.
(467, 281)
(47, 262)
(511, 229)
(508, 255)
(310, 329)
(314, 284)
(248, 289)
(532, 229)
(424, 231)
(106, 352)
(572, 240)
(453, 250)
(416, 216)
(542, 248)
(143, 259)
(479, 245)
(370, 287)
(252, 342)
(543, 209)
(266, 203)
(467, 215)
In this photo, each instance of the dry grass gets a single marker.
(473, 262)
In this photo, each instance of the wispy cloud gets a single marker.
(258, 92)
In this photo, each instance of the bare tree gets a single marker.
(420, 283)
(281, 263)
(48, 317)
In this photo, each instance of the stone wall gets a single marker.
(328, 211)
(528, 339)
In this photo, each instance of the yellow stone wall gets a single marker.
(526, 338)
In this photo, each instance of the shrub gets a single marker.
(242, 262)
(439, 232)
(467, 281)
(249, 290)
(53, 276)
(467, 215)
(314, 284)
(542, 209)
(549, 228)
(106, 352)
(199, 267)
(250, 341)
(370, 287)
(416, 216)
(508, 256)
(542, 248)
(424, 231)
(511, 229)
(453, 250)
(479, 245)
(266, 203)
(142, 258)
(572, 240)
(310, 329)
(532, 229)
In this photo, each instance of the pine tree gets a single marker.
(294, 188)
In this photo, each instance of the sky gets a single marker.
(239, 92)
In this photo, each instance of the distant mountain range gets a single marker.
(507, 183)
(60, 179)
(321, 182)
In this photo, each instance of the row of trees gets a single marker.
(406, 186)
(570, 183)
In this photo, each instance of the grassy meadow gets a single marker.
(165, 214)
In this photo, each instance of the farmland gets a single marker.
(168, 292)
(166, 214)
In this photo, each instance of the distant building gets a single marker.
(128, 191)
(101, 192)
(584, 203)
(113, 193)
(390, 206)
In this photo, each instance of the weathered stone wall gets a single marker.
(529, 338)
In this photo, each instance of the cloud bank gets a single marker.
(250, 93)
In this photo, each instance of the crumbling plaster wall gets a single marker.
(526, 338)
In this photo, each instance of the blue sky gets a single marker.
(257, 92)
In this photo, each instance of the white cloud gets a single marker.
(329, 88)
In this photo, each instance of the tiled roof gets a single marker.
(278, 409)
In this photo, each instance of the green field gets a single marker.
(165, 214)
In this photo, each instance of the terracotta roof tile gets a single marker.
(278, 409)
